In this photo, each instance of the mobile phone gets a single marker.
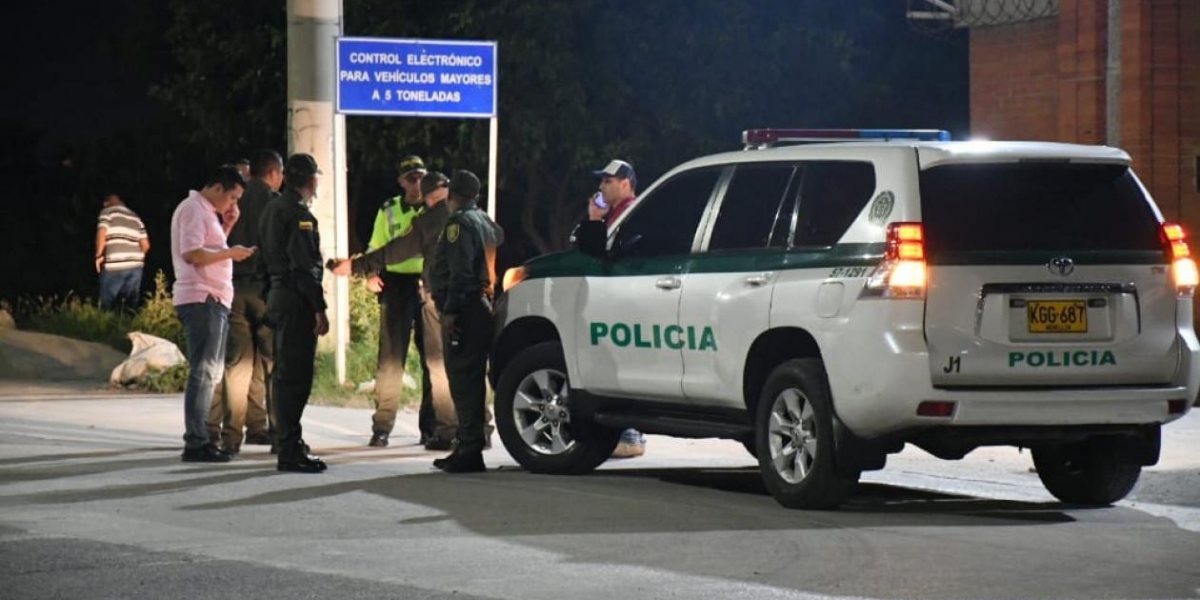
(599, 200)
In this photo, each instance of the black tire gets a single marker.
(1092, 472)
(797, 393)
(562, 446)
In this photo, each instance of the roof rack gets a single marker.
(754, 139)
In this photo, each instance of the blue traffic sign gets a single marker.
(423, 78)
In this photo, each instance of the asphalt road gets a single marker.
(94, 503)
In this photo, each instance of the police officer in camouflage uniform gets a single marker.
(437, 419)
(241, 400)
(291, 258)
(462, 290)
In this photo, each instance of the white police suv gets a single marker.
(825, 304)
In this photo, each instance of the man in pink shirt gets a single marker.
(203, 294)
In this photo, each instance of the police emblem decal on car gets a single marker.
(881, 208)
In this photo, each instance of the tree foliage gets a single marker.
(580, 82)
(231, 74)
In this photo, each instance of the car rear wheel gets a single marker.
(533, 416)
(1092, 472)
(794, 429)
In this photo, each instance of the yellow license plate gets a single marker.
(1057, 316)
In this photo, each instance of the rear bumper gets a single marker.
(882, 401)
(1021, 408)
(1088, 406)
(1139, 444)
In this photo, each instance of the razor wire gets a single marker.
(938, 17)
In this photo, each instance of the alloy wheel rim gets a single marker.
(541, 414)
(792, 436)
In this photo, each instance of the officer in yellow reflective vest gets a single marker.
(399, 298)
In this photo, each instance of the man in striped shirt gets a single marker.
(121, 246)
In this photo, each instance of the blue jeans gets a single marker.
(205, 326)
(124, 285)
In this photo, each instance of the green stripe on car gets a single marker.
(573, 263)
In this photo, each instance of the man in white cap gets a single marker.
(618, 191)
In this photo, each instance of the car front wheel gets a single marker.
(533, 416)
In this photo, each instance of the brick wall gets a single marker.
(1045, 80)
(1082, 55)
(1189, 117)
(1014, 79)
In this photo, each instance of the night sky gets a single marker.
(57, 79)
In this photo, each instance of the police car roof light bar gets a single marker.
(765, 138)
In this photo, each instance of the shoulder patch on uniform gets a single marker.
(452, 232)
(306, 225)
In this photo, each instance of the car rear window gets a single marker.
(1035, 207)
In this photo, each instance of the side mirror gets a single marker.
(591, 238)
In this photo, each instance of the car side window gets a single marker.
(664, 222)
(832, 195)
(781, 236)
(753, 208)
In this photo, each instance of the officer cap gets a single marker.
(432, 181)
(300, 168)
(410, 163)
(465, 185)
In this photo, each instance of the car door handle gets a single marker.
(668, 283)
(760, 279)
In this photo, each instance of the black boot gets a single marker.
(441, 462)
(298, 460)
(208, 453)
(463, 462)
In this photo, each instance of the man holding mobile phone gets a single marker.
(618, 190)
(202, 296)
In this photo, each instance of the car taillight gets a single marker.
(1183, 267)
(902, 273)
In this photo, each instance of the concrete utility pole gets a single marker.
(1112, 76)
(312, 30)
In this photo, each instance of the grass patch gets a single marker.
(362, 358)
(157, 315)
(83, 319)
(74, 317)
(166, 381)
